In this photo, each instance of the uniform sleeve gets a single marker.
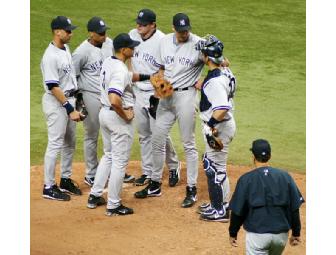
(159, 59)
(296, 199)
(238, 203)
(217, 95)
(118, 83)
(79, 60)
(50, 70)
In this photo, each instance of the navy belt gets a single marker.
(205, 122)
(183, 89)
(111, 108)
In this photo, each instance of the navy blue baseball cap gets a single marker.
(181, 22)
(123, 40)
(145, 17)
(261, 148)
(62, 22)
(97, 24)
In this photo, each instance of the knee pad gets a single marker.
(212, 172)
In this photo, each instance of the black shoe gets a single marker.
(214, 215)
(68, 185)
(89, 181)
(129, 178)
(190, 198)
(153, 189)
(142, 180)
(174, 176)
(54, 193)
(203, 207)
(121, 210)
(94, 201)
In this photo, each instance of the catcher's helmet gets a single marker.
(213, 48)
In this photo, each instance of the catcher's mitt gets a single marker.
(162, 87)
(153, 104)
(80, 106)
(212, 139)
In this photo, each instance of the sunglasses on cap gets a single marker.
(68, 31)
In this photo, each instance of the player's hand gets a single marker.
(198, 84)
(129, 114)
(75, 116)
(294, 240)
(233, 241)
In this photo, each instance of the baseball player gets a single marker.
(181, 64)
(115, 119)
(216, 113)
(88, 59)
(267, 202)
(58, 106)
(145, 61)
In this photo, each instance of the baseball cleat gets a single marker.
(129, 178)
(203, 207)
(120, 210)
(89, 181)
(191, 197)
(214, 215)
(55, 194)
(174, 176)
(153, 189)
(68, 185)
(142, 180)
(94, 201)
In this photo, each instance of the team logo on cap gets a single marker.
(182, 22)
(69, 21)
(102, 23)
(141, 14)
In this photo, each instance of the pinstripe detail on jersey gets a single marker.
(116, 91)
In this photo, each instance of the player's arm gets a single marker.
(116, 102)
(58, 93)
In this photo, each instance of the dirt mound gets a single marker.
(159, 225)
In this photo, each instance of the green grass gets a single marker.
(264, 40)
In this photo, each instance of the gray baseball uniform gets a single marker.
(117, 133)
(88, 60)
(183, 66)
(145, 61)
(217, 94)
(57, 68)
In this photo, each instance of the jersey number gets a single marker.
(232, 85)
(103, 83)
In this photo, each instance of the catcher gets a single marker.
(216, 112)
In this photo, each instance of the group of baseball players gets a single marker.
(113, 79)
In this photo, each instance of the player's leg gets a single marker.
(278, 244)
(257, 243)
(121, 140)
(165, 119)
(56, 119)
(142, 121)
(104, 168)
(185, 106)
(91, 133)
(67, 152)
(172, 163)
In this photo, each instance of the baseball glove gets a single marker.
(162, 87)
(153, 105)
(212, 139)
(80, 106)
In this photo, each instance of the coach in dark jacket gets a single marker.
(266, 202)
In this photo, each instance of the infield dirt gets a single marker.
(158, 226)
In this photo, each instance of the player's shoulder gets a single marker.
(51, 52)
(168, 37)
(194, 38)
(84, 46)
(133, 33)
(159, 34)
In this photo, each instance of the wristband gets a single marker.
(69, 108)
(212, 122)
(143, 77)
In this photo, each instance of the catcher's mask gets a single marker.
(213, 48)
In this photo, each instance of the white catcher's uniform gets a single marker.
(144, 61)
(117, 133)
(88, 60)
(183, 66)
(217, 93)
(57, 67)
